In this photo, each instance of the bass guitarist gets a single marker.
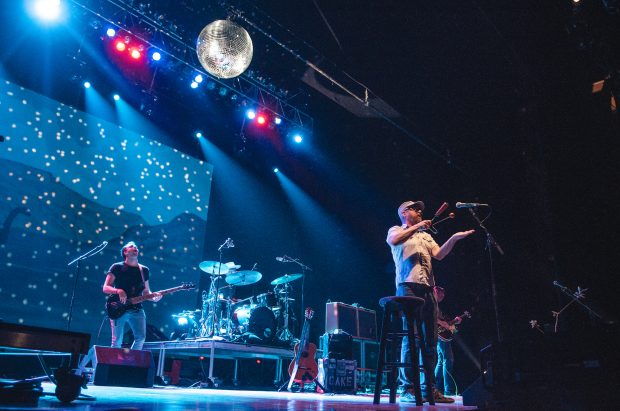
(444, 378)
(129, 279)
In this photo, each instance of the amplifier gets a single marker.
(337, 345)
(357, 321)
(338, 376)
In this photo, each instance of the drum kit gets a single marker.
(264, 316)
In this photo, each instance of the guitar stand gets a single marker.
(303, 382)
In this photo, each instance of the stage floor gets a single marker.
(173, 398)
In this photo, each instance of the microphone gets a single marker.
(470, 205)
(560, 286)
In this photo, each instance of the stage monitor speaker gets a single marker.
(122, 367)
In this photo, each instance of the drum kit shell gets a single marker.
(227, 317)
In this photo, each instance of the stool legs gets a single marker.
(393, 365)
(381, 360)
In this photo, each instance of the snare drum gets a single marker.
(267, 300)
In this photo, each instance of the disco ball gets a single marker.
(224, 49)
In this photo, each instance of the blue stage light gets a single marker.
(198, 134)
(194, 84)
(298, 138)
(276, 170)
(198, 78)
(277, 120)
(156, 56)
(110, 32)
(182, 321)
(87, 84)
(251, 114)
(47, 11)
(116, 97)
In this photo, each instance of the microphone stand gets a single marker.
(575, 298)
(77, 262)
(490, 241)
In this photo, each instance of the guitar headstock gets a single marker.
(309, 313)
(187, 286)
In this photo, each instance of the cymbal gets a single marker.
(286, 278)
(245, 277)
(213, 267)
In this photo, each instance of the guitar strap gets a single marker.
(141, 273)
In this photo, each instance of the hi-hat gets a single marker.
(213, 267)
(286, 278)
(245, 277)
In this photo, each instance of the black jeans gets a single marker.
(427, 333)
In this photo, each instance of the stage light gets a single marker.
(120, 45)
(251, 114)
(135, 54)
(110, 32)
(193, 84)
(156, 56)
(276, 170)
(298, 138)
(87, 84)
(198, 134)
(198, 78)
(261, 119)
(46, 10)
(182, 321)
(116, 97)
(277, 120)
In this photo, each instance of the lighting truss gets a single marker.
(125, 15)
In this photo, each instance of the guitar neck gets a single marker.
(139, 299)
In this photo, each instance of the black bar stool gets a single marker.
(392, 306)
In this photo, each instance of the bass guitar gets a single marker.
(447, 329)
(304, 368)
(116, 309)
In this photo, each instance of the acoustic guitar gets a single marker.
(116, 309)
(304, 368)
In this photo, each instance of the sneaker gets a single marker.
(409, 396)
(439, 397)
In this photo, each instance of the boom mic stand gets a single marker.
(304, 268)
(490, 241)
(77, 262)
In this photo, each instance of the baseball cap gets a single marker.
(415, 204)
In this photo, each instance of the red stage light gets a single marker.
(120, 45)
(261, 119)
(135, 54)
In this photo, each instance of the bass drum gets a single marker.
(259, 321)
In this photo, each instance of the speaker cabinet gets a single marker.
(359, 322)
(122, 367)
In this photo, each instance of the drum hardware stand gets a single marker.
(285, 334)
(213, 295)
(77, 262)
